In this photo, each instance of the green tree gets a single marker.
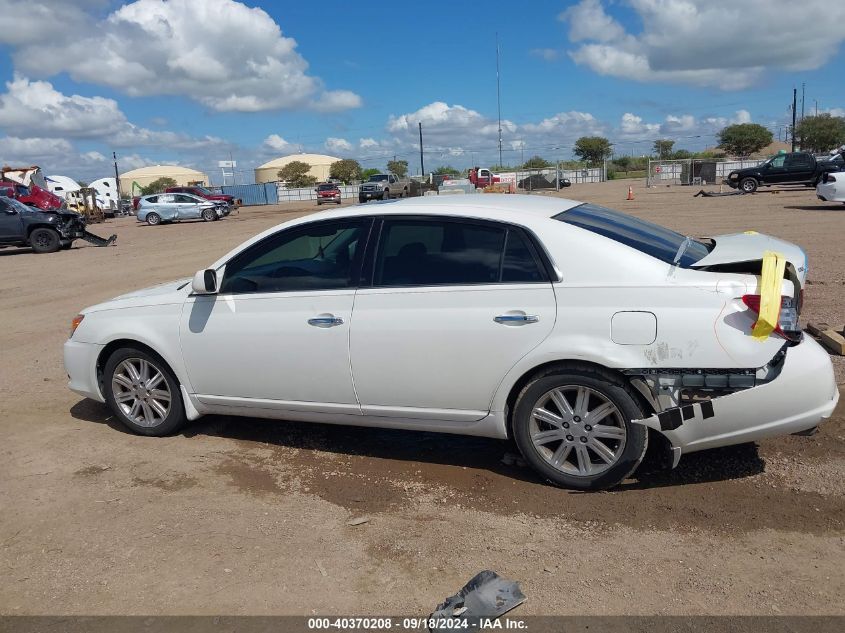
(158, 185)
(821, 133)
(296, 175)
(682, 153)
(372, 171)
(623, 162)
(663, 148)
(536, 162)
(743, 139)
(346, 170)
(592, 149)
(447, 169)
(398, 167)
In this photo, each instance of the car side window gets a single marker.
(165, 198)
(438, 252)
(183, 198)
(778, 161)
(519, 264)
(152, 199)
(318, 256)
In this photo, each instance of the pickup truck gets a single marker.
(384, 187)
(794, 168)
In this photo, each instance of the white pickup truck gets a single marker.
(384, 187)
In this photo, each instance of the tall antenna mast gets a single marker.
(498, 98)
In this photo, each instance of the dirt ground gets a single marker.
(246, 516)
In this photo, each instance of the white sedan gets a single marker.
(832, 187)
(581, 332)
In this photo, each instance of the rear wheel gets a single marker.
(44, 241)
(142, 392)
(153, 219)
(209, 215)
(748, 185)
(575, 428)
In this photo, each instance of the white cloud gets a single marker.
(684, 41)
(367, 143)
(338, 144)
(277, 144)
(633, 126)
(566, 125)
(36, 108)
(222, 53)
(27, 150)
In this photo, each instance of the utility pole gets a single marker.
(116, 178)
(803, 85)
(498, 98)
(422, 164)
(794, 107)
(817, 106)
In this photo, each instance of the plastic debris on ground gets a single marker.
(486, 596)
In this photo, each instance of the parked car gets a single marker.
(43, 231)
(794, 168)
(581, 332)
(384, 187)
(328, 192)
(206, 193)
(832, 187)
(175, 207)
(539, 181)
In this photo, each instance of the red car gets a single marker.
(208, 194)
(328, 192)
(33, 196)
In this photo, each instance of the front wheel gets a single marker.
(209, 215)
(575, 428)
(44, 241)
(748, 185)
(142, 392)
(153, 219)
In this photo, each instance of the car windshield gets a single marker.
(203, 190)
(19, 206)
(327, 187)
(378, 178)
(646, 237)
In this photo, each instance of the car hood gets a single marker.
(169, 292)
(748, 247)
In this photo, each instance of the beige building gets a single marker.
(145, 175)
(320, 166)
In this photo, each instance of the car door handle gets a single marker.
(516, 318)
(325, 321)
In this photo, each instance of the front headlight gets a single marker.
(733, 176)
(75, 323)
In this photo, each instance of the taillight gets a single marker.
(788, 326)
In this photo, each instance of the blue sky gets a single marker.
(191, 81)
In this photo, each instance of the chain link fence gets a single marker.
(692, 171)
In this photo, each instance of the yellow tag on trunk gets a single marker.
(770, 288)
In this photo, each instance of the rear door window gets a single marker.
(646, 237)
(433, 252)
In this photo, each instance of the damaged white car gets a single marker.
(581, 332)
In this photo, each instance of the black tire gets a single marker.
(362, 200)
(153, 219)
(599, 384)
(749, 185)
(209, 215)
(43, 240)
(175, 417)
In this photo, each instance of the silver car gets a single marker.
(175, 207)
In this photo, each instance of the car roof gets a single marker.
(508, 207)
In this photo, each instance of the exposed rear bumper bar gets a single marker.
(802, 395)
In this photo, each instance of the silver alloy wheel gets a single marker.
(141, 391)
(577, 430)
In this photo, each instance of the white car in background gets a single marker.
(832, 187)
(579, 331)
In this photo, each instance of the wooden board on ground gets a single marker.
(834, 341)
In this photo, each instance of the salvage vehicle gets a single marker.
(43, 231)
(31, 187)
(384, 187)
(176, 207)
(832, 187)
(327, 192)
(581, 332)
(792, 168)
(207, 194)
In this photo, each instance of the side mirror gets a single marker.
(205, 282)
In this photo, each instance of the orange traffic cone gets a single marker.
(630, 193)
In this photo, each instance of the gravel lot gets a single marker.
(245, 516)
